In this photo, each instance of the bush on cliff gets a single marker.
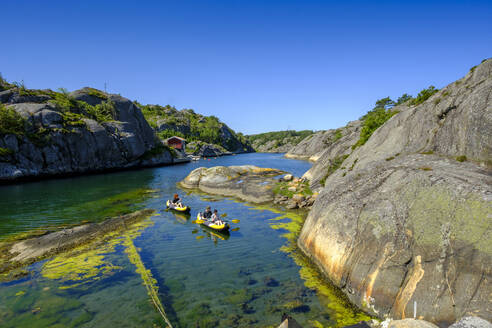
(4, 85)
(424, 95)
(103, 112)
(374, 119)
(334, 165)
(11, 122)
(403, 99)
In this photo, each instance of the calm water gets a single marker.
(201, 279)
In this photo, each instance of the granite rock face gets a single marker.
(247, 182)
(327, 143)
(408, 216)
(338, 145)
(49, 146)
(208, 150)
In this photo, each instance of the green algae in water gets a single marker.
(53, 304)
(148, 280)
(342, 313)
(76, 212)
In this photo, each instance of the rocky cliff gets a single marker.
(44, 133)
(407, 216)
(335, 142)
(331, 151)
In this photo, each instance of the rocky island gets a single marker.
(247, 182)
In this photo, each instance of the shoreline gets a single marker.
(68, 175)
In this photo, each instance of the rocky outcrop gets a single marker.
(293, 192)
(325, 145)
(311, 146)
(337, 145)
(201, 149)
(247, 182)
(208, 151)
(407, 216)
(59, 141)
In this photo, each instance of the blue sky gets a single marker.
(258, 65)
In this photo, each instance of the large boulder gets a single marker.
(404, 221)
(208, 150)
(247, 182)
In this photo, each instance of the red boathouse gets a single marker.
(177, 143)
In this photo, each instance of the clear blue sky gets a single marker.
(257, 65)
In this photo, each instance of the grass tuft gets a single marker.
(334, 165)
(461, 158)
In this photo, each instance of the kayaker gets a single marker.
(208, 213)
(216, 219)
(177, 201)
(215, 216)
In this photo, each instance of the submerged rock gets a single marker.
(20, 253)
(247, 182)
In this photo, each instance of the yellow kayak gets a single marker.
(219, 227)
(184, 209)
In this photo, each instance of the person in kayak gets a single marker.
(208, 213)
(177, 201)
(215, 218)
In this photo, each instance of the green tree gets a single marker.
(11, 122)
(385, 103)
(403, 98)
(374, 119)
(424, 95)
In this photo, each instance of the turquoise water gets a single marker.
(202, 279)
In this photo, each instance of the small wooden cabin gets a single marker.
(177, 143)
